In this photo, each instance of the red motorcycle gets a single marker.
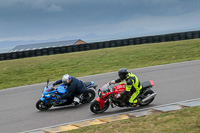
(107, 96)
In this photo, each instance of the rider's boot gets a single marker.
(136, 104)
(76, 101)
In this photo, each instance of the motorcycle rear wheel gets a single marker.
(40, 105)
(149, 101)
(95, 107)
(88, 96)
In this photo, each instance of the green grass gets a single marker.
(183, 121)
(28, 71)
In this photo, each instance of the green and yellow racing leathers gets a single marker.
(133, 85)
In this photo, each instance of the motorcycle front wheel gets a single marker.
(40, 105)
(95, 107)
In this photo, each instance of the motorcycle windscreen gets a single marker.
(62, 89)
(106, 88)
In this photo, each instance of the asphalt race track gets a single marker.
(173, 83)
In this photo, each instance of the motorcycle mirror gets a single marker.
(47, 82)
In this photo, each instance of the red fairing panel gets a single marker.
(101, 101)
(119, 88)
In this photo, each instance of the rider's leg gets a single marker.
(134, 100)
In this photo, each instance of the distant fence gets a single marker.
(100, 45)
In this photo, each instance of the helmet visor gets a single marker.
(66, 82)
(122, 76)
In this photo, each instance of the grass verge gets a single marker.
(183, 121)
(37, 69)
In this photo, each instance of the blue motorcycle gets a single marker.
(50, 94)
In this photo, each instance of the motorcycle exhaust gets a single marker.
(149, 97)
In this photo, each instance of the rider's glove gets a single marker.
(112, 82)
(58, 97)
(118, 96)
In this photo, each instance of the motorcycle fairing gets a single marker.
(101, 102)
(62, 89)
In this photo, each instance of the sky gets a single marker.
(36, 21)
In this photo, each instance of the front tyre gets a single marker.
(41, 105)
(95, 107)
(88, 96)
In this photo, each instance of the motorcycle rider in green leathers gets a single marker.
(133, 85)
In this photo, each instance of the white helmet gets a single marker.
(66, 79)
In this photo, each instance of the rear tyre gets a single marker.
(41, 106)
(149, 101)
(95, 107)
(88, 96)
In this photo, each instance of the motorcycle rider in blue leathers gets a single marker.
(75, 86)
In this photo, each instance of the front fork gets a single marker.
(45, 101)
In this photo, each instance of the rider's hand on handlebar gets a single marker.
(112, 82)
(52, 88)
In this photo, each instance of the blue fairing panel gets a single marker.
(42, 99)
(62, 89)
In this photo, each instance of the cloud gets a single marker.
(54, 8)
(21, 19)
(147, 23)
(45, 5)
